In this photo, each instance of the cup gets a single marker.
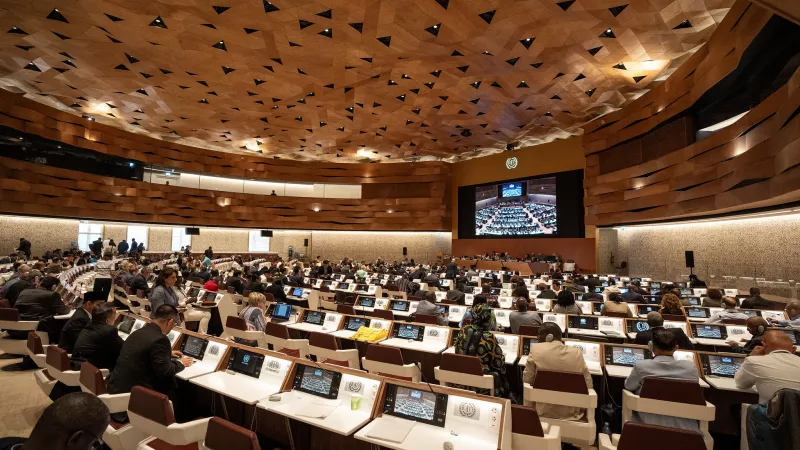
(355, 402)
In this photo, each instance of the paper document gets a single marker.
(391, 429)
(316, 411)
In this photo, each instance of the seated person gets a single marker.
(663, 365)
(276, 289)
(565, 304)
(634, 294)
(236, 282)
(80, 318)
(211, 285)
(770, 367)
(253, 315)
(728, 313)
(428, 306)
(456, 295)
(476, 339)
(545, 292)
(552, 354)
(41, 302)
(656, 321)
(523, 316)
(756, 326)
(478, 300)
(99, 342)
(713, 299)
(165, 293)
(671, 304)
(614, 304)
(755, 301)
(793, 313)
(139, 282)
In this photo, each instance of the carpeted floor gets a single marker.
(21, 401)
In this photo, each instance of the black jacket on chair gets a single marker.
(145, 360)
(73, 327)
(99, 344)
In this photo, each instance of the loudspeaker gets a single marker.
(689, 258)
(305, 242)
(266, 233)
(405, 251)
(193, 231)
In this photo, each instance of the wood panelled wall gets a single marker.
(32, 189)
(30, 117)
(751, 163)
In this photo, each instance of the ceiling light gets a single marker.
(326, 30)
(608, 30)
(528, 40)
(435, 26)
(316, 209)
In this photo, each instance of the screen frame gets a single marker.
(439, 410)
(333, 394)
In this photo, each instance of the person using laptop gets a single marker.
(663, 365)
(728, 313)
(756, 326)
(793, 313)
(656, 321)
(552, 354)
(770, 367)
(276, 289)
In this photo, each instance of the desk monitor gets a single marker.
(494, 291)
(126, 325)
(282, 311)
(681, 284)
(582, 322)
(644, 309)
(694, 301)
(604, 284)
(419, 405)
(709, 331)
(211, 296)
(578, 297)
(597, 307)
(526, 344)
(637, 325)
(410, 332)
(720, 365)
(399, 305)
(686, 291)
(246, 362)
(343, 286)
(362, 287)
(655, 284)
(192, 292)
(750, 312)
(625, 356)
(697, 312)
(314, 317)
(297, 292)
(194, 346)
(316, 381)
(366, 302)
(654, 291)
(327, 283)
(354, 323)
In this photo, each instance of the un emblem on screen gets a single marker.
(642, 326)
(466, 409)
(511, 163)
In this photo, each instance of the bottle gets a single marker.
(607, 429)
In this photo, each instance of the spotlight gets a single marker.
(466, 133)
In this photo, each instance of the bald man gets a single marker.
(770, 367)
(756, 326)
(793, 312)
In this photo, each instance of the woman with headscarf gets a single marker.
(476, 340)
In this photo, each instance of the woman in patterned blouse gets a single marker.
(477, 340)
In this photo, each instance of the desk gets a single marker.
(240, 387)
(727, 384)
(433, 347)
(423, 436)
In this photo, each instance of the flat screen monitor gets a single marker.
(513, 208)
(410, 332)
(749, 312)
(655, 284)
(697, 312)
(721, 365)
(194, 346)
(314, 317)
(686, 291)
(694, 301)
(644, 309)
(709, 331)
(636, 326)
(366, 302)
(193, 292)
(416, 404)
(282, 311)
(652, 299)
(246, 362)
(625, 356)
(583, 322)
(317, 381)
(526, 344)
(343, 286)
(126, 324)
(399, 305)
(354, 323)
(211, 296)
(297, 292)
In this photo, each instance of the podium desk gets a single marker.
(207, 353)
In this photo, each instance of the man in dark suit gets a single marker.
(451, 271)
(276, 289)
(80, 318)
(26, 280)
(41, 303)
(755, 301)
(139, 281)
(634, 294)
(654, 321)
(209, 253)
(236, 282)
(546, 292)
(147, 359)
(99, 342)
(25, 247)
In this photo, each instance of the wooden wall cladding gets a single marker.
(31, 189)
(28, 116)
(666, 139)
(751, 163)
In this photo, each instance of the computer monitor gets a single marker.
(694, 301)
(193, 292)
(686, 291)
(126, 324)
(637, 325)
(366, 302)
(697, 312)
(709, 331)
(194, 346)
(750, 312)
(625, 356)
(583, 322)
(410, 332)
(652, 299)
(647, 308)
(282, 311)
(246, 362)
(399, 305)
(317, 381)
(419, 405)
(720, 365)
(343, 286)
(597, 307)
(297, 292)
(314, 317)
(354, 323)
(526, 344)
(655, 284)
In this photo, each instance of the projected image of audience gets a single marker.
(414, 403)
(517, 208)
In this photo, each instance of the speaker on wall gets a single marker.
(405, 251)
(193, 231)
(305, 242)
(689, 258)
(266, 233)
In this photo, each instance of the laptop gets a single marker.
(281, 312)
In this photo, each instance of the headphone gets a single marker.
(761, 328)
(549, 338)
(651, 346)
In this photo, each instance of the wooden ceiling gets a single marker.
(345, 81)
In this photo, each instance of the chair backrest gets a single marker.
(231, 290)
(615, 314)
(412, 298)
(345, 309)
(323, 340)
(550, 380)
(92, 379)
(636, 436)
(277, 330)
(9, 314)
(57, 358)
(246, 293)
(385, 354)
(426, 318)
(383, 314)
(35, 343)
(236, 322)
(223, 435)
(734, 321)
(470, 365)
(525, 420)
(675, 317)
(529, 330)
(679, 391)
(391, 287)
(269, 297)
(151, 405)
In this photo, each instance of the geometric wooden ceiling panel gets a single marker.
(344, 81)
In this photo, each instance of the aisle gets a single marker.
(23, 402)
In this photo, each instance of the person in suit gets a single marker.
(209, 253)
(139, 281)
(41, 302)
(80, 318)
(276, 289)
(123, 247)
(552, 354)
(756, 326)
(634, 294)
(614, 304)
(546, 292)
(428, 306)
(26, 280)
(25, 247)
(663, 365)
(236, 282)
(755, 301)
(99, 342)
(147, 359)
(656, 321)
(451, 271)
(696, 283)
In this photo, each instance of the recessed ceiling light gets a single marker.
(435, 26)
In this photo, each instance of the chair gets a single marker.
(346, 309)
(529, 330)
(58, 366)
(325, 349)
(615, 314)
(527, 431)
(36, 350)
(566, 389)
(426, 318)
(636, 436)
(236, 327)
(118, 436)
(227, 308)
(463, 370)
(674, 317)
(674, 398)
(223, 435)
(151, 412)
(388, 362)
(382, 314)
(14, 341)
(277, 336)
